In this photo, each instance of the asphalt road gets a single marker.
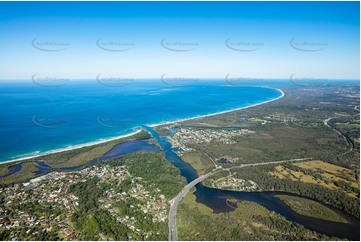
(347, 140)
(172, 234)
(172, 226)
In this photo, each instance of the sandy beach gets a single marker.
(72, 147)
(139, 130)
(223, 112)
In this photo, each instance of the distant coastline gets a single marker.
(223, 112)
(73, 147)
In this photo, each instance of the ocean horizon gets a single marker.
(38, 118)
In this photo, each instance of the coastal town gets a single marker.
(233, 184)
(43, 207)
(184, 137)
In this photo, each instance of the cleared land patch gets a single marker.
(319, 172)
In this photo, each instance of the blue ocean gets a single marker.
(37, 118)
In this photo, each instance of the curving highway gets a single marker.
(172, 226)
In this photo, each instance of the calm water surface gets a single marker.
(216, 199)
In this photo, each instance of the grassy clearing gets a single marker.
(321, 173)
(200, 163)
(311, 208)
(337, 172)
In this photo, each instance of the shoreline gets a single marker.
(73, 147)
(222, 112)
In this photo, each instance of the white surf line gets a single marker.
(222, 112)
(73, 147)
(130, 134)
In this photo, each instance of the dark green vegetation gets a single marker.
(117, 199)
(292, 127)
(249, 221)
(310, 208)
(161, 130)
(91, 219)
(65, 158)
(276, 141)
(155, 171)
(199, 160)
(261, 175)
(84, 154)
(42, 235)
(27, 172)
(327, 175)
(24, 232)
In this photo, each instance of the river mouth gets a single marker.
(107, 113)
(216, 199)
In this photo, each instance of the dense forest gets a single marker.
(261, 176)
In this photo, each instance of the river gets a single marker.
(216, 199)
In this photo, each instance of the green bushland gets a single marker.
(4, 170)
(82, 155)
(349, 127)
(311, 208)
(249, 221)
(36, 232)
(304, 135)
(272, 142)
(90, 220)
(200, 162)
(161, 130)
(348, 185)
(155, 170)
(27, 172)
(261, 175)
(156, 173)
(65, 158)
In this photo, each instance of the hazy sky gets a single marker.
(183, 39)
